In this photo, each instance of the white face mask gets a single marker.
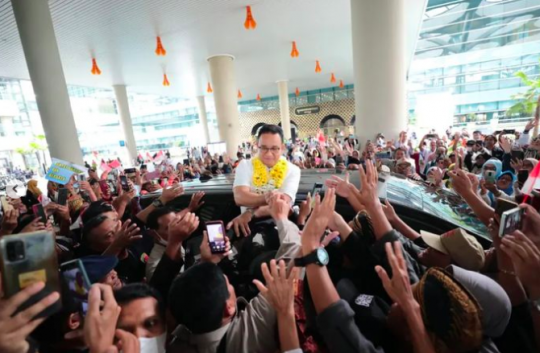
(153, 345)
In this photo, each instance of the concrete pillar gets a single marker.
(224, 85)
(379, 59)
(43, 59)
(283, 92)
(122, 104)
(204, 119)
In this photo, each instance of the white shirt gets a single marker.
(244, 177)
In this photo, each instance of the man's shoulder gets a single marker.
(293, 168)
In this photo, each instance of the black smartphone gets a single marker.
(124, 182)
(130, 172)
(62, 196)
(317, 188)
(77, 283)
(430, 136)
(186, 162)
(509, 131)
(82, 177)
(522, 176)
(504, 205)
(510, 221)
(28, 258)
(518, 154)
(216, 236)
(40, 212)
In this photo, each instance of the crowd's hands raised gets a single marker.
(196, 202)
(305, 210)
(100, 321)
(14, 329)
(9, 222)
(525, 256)
(530, 125)
(279, 289)
(240, 224)
(318, 222)
(34, 226)
(389, 212)
(343, 187)
(181, 228)
(368, 194)
(506, 144)
(171, 193)
(206, 253)
(461, 182)
(279, 207)
(125, 235)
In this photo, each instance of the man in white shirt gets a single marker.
(264, 175)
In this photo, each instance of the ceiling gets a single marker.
(121, 34)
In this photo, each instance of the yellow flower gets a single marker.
(260, 173)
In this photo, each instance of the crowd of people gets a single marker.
(285, 279)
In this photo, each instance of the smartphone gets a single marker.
(124, 182)
(216, 236)
(130, 172)
(186, 162)
(490, 176)
(522, 176)
(40, 212)
(5, 204)
(518, 154)
(430, 136)
(383, 155)
(509, 131)
(77, 283)
(504, 205)
(82, 177)
(510, 221)
(62, 196)
(317, 188)
(28, 258)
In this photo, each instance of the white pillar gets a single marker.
(203, 118)
(379, 58)
(45, 67)
(284, 109)
(225, 99)
(122, 104)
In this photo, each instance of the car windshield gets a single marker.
(442, 203)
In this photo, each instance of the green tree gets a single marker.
(528, 102)
(37, 147)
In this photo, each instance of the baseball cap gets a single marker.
(98, 266)
(463, 248)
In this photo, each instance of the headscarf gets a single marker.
(498, 166)
(508, 191)
(32, 186)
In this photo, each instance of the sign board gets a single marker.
(312, 109)
(61, 171)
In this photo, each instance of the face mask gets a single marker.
(153, 345)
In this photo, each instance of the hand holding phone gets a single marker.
(77, 282)
(490, 176)
(62, 196)
(317, 188)
(216, 237)
(511, 221)
(124, 183)
(40, 212)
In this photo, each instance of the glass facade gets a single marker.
(472, 50)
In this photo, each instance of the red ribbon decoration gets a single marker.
(318, 67)
(209, 88)
(95, 69)
(166, 82)
(250, 22)
(160, 51)
(294, 52)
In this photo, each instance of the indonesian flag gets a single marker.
(148, 156)
(160, 156)
(533, 182)
(115, 164)
(104, 166)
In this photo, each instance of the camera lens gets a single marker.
(15, 250)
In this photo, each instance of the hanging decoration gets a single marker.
(258, 97)
(333, 78)
(250, 22)
(318, 67)
(239, 94)
(95, 69)
(297, 92)
(209, 88)
(341, 85)
(294, 51)
(166, 82)
(160, 51)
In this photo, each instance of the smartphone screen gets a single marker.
(504, 205)
(82, 177)
(317, 188)
(40, 212)
(216, 237)
(124, 182)
(77, 282)
(510, 221)
(523, 175)
(62, 196)
(490, 176)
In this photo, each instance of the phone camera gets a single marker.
(15, 250)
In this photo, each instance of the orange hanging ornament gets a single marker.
(341, 85)
(209, 88)
(160, 51)
(239, 94)
(318, 67)
(258, 97)
(297, 92)
(95, 69)
(166, 82)
(294, 51)
(250, 22)
(333, 78)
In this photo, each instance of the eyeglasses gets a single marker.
(274, 150)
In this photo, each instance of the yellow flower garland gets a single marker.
(277, 173)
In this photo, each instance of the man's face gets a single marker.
(112, 280)
(163, 225)
(141, 317)
(477, 136)
(271, 149)
(103, 236)
(490, 142)
(440, 143)
(400, 154)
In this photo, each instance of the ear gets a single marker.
(74, 321)
(230, 309)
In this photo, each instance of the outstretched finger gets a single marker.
(14, 302)
(381, 272)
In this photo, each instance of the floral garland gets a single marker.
(277, 173)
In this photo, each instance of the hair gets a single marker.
(198, 297)
(270, 129)
(239, 155)
(92, 224)
(32, 186)
(134, 291)
(95, 209)
(152, 221)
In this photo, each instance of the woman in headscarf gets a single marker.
(33, 194)
(503, 188)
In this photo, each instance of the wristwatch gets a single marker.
(535, 305)
(157, 203)
(319, 257)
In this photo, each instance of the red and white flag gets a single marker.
(104, 167)
(533, 182)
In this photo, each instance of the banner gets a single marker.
(61, 171)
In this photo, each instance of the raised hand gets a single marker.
(530, 125)
(206, 253)
(516, 164)
(343, 187)
(526, 258)
(182, 227)
(100, 324)
(34, 226)
(369, 179)
(9, 221)
(531, 224)
(241, 224)
(279, 207)
(460, 182)
(506, 144)
(126, 234)
(279, 289)
(305, 210)
(171, 193)
(389, 212)
(318, 222)
(196, 202)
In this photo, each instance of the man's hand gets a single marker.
(279, 289)
(14, 329)
(398, 287)
(343, 187)
(368, 195)
(84, 185)
(34, 226)
(279, 207)
(516, 164)
(241, 224)
(506, 145)
(305, 210)
(530, 125)
(195, 202)
(182, 227)
(126, 234)
(492, 187)
(171, 193)
(206, 253)
(526, 258)
(63, 213)
(100, 325)
(127, 343)
(475, 182)
(531, 224)
(318, 222)
(9, 222)
(389, 212)
(460, 182)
